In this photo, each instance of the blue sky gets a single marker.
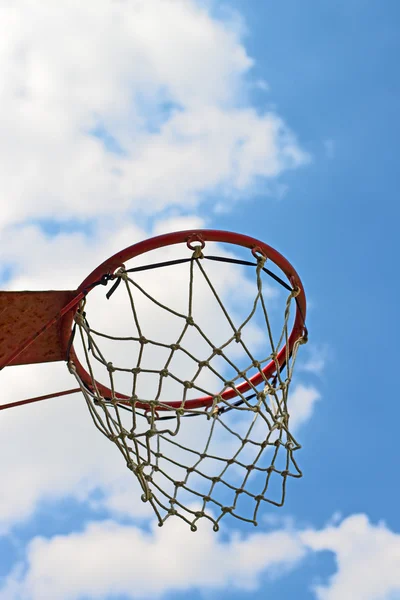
(106, 143)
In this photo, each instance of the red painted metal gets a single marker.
(112, 264)
(30, 326)
(39, 398)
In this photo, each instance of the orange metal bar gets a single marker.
(38, 398)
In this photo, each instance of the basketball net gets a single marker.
(227, 452)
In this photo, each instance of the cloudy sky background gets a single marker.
(122, 120)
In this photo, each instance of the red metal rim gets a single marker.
(191, 237)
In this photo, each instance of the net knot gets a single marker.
(110, 367)
(296, 290)
(122, 273)
(227, 509)
(237, 336)
(71, 368)
(149, 434)
(188, 384)
(190, 320)
(259, 256)
(215, 411)
(230, 384)
(80, 317)
(281, 421)
(164, 373)
(198, 252)
(268, 389)
(304, 338)
(261, 262)
(143, 340)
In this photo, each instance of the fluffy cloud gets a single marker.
(316, 360)
(119, 106)
(301, 404)
(367, 558)
(109, 559)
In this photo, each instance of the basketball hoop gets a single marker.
(219, 443)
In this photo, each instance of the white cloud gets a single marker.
(53, 449)
(161, 78)
(367, 558)
(316, 360)
(301, 404)
(107, 558)
(262, 85)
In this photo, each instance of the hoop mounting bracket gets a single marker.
(22, 315)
